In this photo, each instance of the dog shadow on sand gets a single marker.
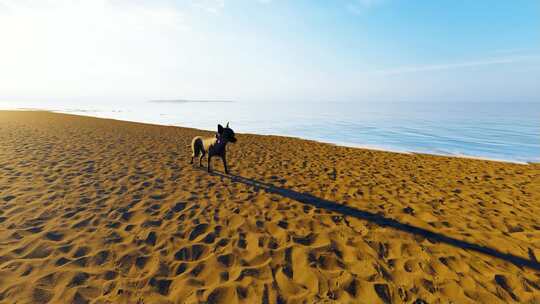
(380, 220)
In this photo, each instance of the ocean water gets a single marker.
(499, 131)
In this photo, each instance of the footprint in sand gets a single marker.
(191, 253)
(8, 198)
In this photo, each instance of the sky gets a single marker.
(270, 50)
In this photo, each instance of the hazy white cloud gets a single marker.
(211, 6)
(112, 49)
(49, 12)
(457, 65)
(217, 6)
(87, 47)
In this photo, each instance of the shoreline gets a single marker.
(341, 144)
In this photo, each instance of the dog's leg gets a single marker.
(224, 159)
(195, 151)
(209, 159)
(200, 159)
(192, 151)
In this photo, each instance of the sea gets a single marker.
(502, 131)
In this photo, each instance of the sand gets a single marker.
(104, 211)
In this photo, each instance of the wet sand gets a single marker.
(104, 211)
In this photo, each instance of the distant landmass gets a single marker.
(188, 100)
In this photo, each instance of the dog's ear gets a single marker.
(219, 129)
(227, 125)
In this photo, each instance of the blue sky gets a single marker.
(256, 50)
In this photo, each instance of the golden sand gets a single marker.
(104, 211)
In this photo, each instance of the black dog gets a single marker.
(214, 146)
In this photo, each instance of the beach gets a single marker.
(107, 211)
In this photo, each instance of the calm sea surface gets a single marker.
(502, 131)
